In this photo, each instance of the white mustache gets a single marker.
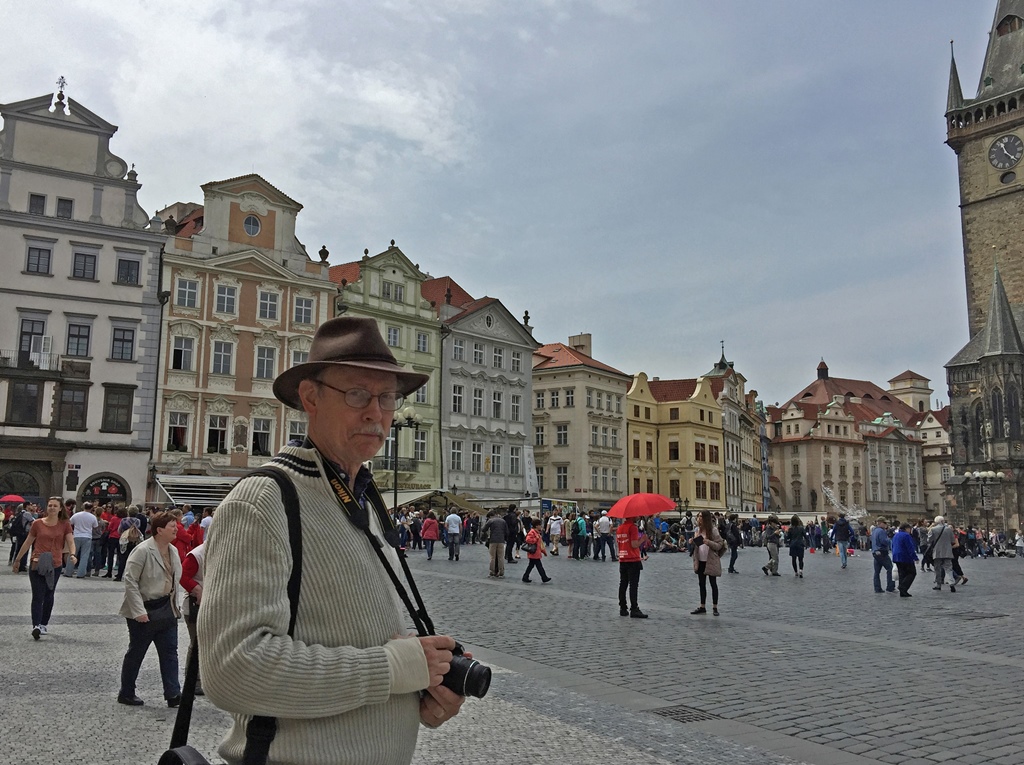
(378, 432)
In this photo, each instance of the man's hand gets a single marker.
(439, 705)
(438, 651)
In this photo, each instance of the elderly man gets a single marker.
(940, 540)
(348, 686)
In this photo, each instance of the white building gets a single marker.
(80, 314)
(486, 387)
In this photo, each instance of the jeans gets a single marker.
(166, 641)
(629, 578)
(111, 549)
(842, 544)
(429, 544)
(732, 558)
(42, 596)
(99, 552)
(535, 564)
(83, 546)
(16, 543)
(882, 560)
(599, 546)
(453, 546)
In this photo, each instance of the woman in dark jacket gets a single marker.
(797, 536)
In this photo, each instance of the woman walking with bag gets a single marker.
(151, 576)
(48, 536)
(708, 547)
(534, 547)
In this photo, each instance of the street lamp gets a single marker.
(984, 479)
(404, 418)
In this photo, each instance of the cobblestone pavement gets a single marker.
(819, 670)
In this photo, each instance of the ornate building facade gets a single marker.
(387, 287)
(80, 314)
(985, 376)
(677, 440)
(243, 299)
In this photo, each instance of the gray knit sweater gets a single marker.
(333, 687)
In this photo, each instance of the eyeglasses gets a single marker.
(360, 398)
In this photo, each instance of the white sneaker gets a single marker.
(42, 629)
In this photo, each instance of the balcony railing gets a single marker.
(405, 464)
(49, 362)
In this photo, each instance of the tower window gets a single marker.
(1009, 24)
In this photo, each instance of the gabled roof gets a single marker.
(251, 182)
(908, 375)
(665, 391)
(434, 290)
(559, 355)
(348, 273)
(38, 109)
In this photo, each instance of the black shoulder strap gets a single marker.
(261, 730)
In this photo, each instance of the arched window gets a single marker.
(997, 413)
(1009, 24)
(1013, 411)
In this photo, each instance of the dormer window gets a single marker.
(251, 224)
(1009, 24)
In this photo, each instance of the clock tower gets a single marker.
(987, 134)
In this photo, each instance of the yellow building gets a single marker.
(675, 437)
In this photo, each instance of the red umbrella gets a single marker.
(11, 498)
(640, 505)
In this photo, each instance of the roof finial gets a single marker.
(58, 104)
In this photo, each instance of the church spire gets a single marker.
(1001, 336)
(1002, 72)
(955, 99)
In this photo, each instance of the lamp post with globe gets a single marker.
(406, 417)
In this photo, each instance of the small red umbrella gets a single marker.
(11, 498)
(640, 505)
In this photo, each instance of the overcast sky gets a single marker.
(663, 175)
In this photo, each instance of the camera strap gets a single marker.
(359, 517)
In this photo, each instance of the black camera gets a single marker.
(467, 677)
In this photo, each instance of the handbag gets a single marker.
(530, 548)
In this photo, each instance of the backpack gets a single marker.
(132, 535)
(18, 526)
(688, 525)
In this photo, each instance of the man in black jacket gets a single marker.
(843, 532)
(512, 535)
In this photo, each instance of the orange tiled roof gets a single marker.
(190, 225)
(349, 272)
(559, 355)
(681, 390)
(433, 290)
(875, 401)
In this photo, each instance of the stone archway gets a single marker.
(101, 488)
(22, 480)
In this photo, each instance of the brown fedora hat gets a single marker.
(345, 341)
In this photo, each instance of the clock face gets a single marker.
(1006, 152)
